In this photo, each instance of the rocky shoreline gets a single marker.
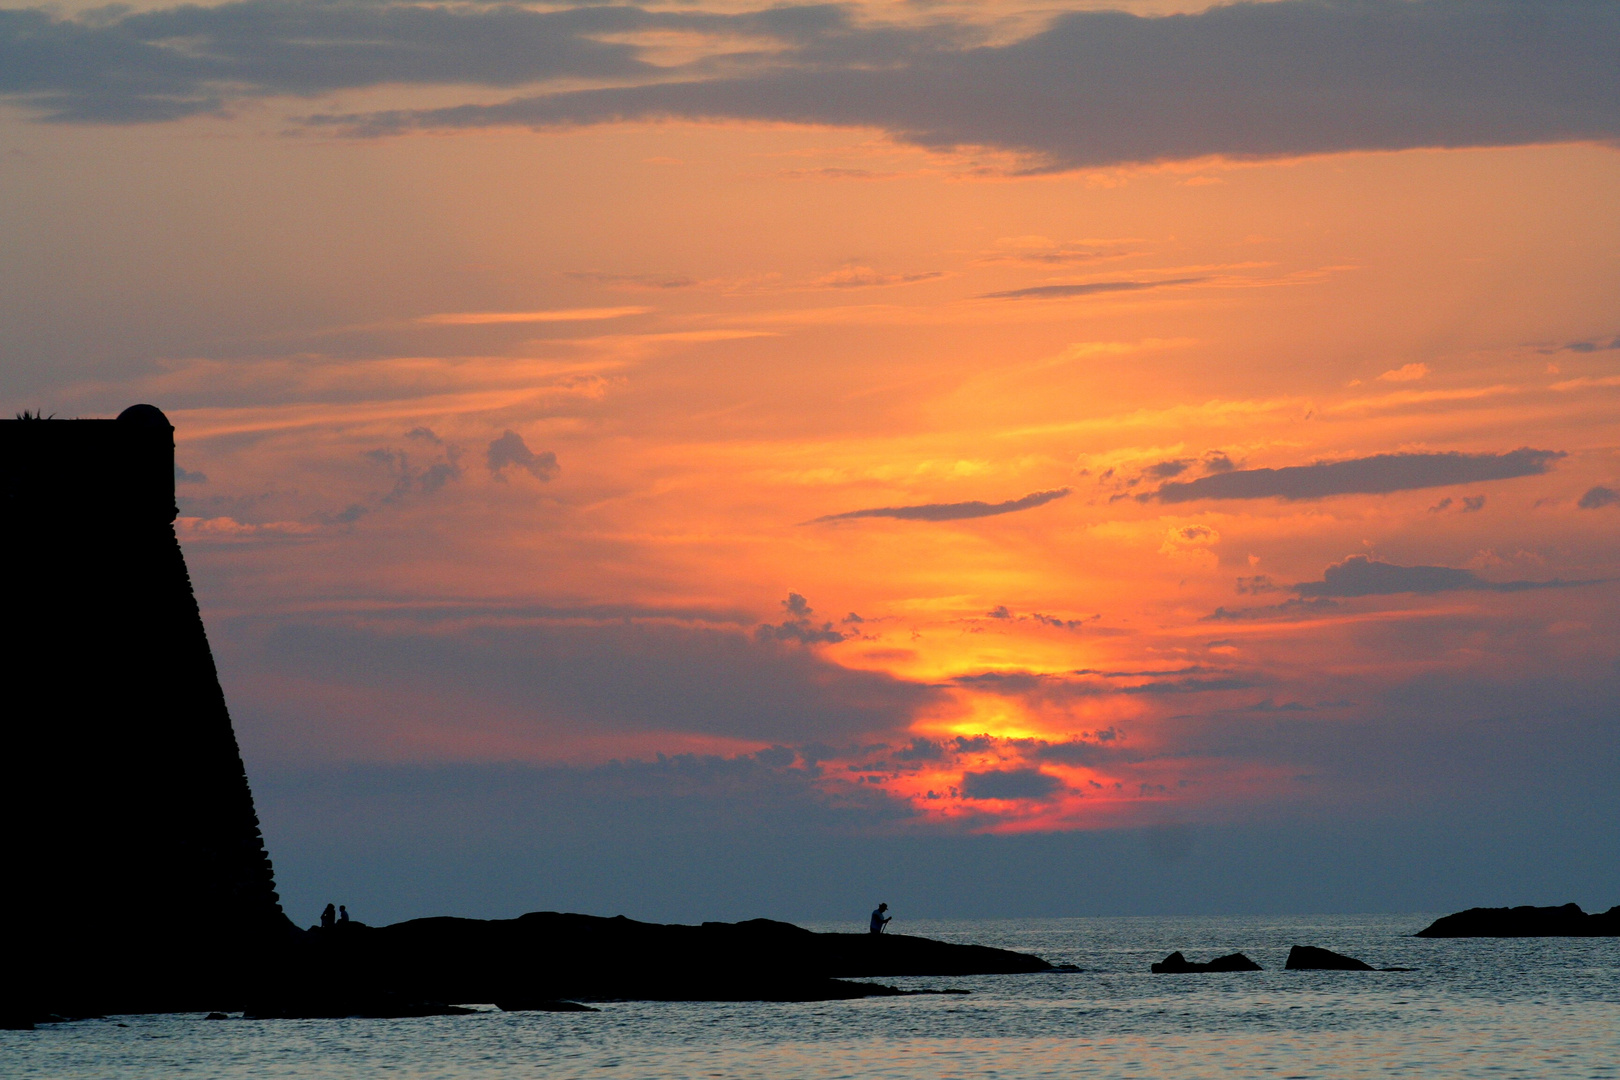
(557, 961)
(553, 956)
(543, 960)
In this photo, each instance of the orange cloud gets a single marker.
(1406, 373)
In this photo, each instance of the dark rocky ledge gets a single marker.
(1566, 921)
(1176, 964)
(428, 967)
(553, 957)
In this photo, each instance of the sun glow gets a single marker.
(808, 383)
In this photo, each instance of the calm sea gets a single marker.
(1542, 1008)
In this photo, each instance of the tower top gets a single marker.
(148, 416)
(73, 472)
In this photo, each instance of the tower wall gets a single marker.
(134, 867)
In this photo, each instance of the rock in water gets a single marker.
(1310, 958)
(337, 1005)
(1566, 921)
(1176, 964)
(541, 1005)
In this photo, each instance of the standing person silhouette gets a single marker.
(880, 920)
(328, 917)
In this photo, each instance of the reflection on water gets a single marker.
(1473, 1008)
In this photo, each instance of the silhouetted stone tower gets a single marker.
(132, 863)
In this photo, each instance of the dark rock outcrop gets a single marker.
(1176, 964)
(343, 1005)
(27, 1020)
(1566, 921)
(550, 956)
(542, 1005)
(1310, 958)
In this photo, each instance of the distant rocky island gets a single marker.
(1566, 921)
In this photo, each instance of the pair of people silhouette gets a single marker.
(332, 916)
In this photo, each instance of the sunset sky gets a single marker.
(708, 460)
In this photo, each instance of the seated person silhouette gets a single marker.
(328, 917)
(343, 913)
(880, 920)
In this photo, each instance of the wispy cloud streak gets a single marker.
(1091, 288)
(949, 511)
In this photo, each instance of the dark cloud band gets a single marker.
(1359, 575)
(625, 676)
(1376, 475)
(1104, 87)
(1092, 88)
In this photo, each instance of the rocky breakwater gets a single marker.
(1566, 921)
(352, 969)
